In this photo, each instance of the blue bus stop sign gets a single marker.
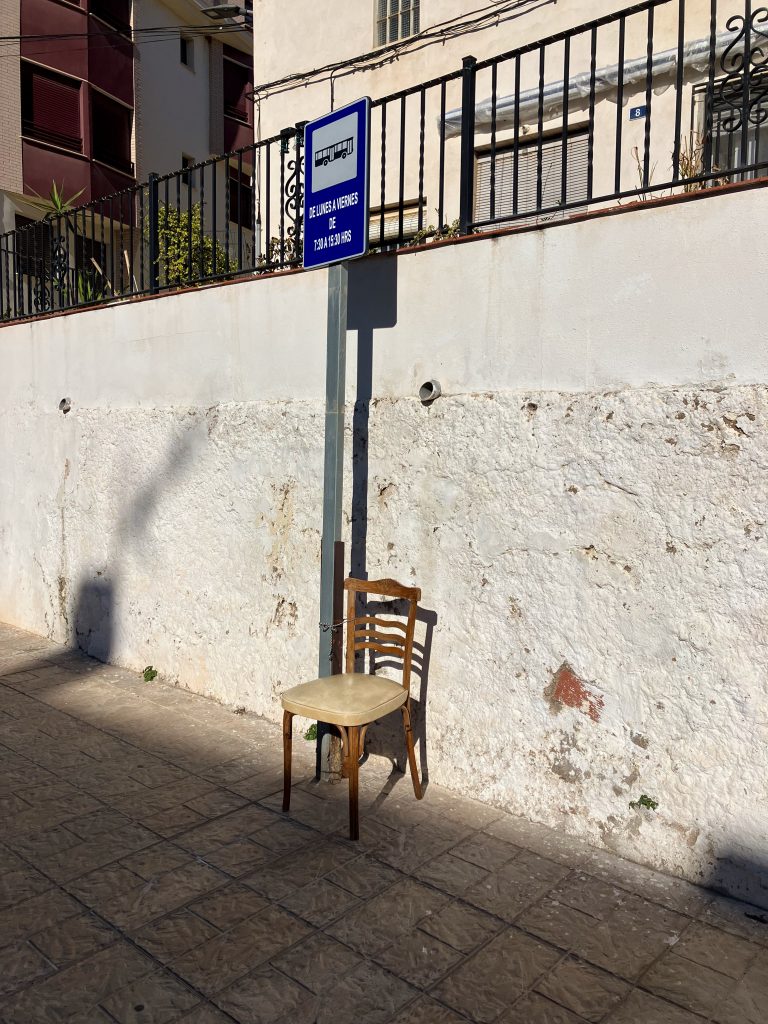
(336, 154)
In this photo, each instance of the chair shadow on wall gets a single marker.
(372, 306)
(386, 738)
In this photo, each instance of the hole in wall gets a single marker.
(429, 391)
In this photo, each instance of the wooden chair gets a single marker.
(353, 700)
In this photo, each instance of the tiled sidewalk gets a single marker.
(148, 875)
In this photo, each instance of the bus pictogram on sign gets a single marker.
(339, 151)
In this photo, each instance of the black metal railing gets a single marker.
(661, 98)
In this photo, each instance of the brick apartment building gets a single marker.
(104, 91)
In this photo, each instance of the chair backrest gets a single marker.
(389, 637)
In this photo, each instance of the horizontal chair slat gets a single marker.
(375, 621)
(369, 645)
(389, 588)
(384, 638)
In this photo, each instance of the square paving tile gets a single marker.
(317, 961)
(489, 982)
(74, 938)
(747, 1003)
(718, 950)
(364, 876)
(643, 1008)
(462, 926)
(621, 944)
(586, 990)
(508, 891)
(175, 934)
(695, 988)
(25, 919)
(266, 997)
(229, 905)
(533, 1008)
(367, 995)
(419, 958)
(20, 964)
(238, 858)
(377, 924)
(78, 988)
(222, 960)
(452, 874)
(485, 851)
(427, 1011)
(320, 902)
(156, 998)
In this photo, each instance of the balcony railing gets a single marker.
(658, 99)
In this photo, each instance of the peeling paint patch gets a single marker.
(573, 692)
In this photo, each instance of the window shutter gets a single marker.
(116, 13)
(240, 198)
(51, 107)
(551, 178)
(396, 19)
(111, 124)
(237, 83)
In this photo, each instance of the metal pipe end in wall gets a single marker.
(429, 391)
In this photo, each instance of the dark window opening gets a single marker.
(238, 83)
(186, 174)
(187, 51)
(240, 198)
(33, 246)
(730, 122)
(116, 13)
(50, 107)
(111, 126)
(90, 257)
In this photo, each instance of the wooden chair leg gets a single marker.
(353, 762)
(411, 752)
(287, 751)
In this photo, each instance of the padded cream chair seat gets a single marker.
(351, 701)
(352, 698)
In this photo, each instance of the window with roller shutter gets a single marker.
(237, 84)
(395, 20)
(50, 107)
(111, 126)
(504, 185)
(115, 13)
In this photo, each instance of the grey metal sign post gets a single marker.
(336, 215)
(333, 470)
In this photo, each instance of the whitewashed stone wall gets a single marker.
(584, 509)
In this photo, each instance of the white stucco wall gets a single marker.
(589, 492)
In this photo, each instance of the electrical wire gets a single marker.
(485, 17)
(156, 30)
(90, 42)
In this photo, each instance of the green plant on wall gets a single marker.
(644, 801)
(59, 202)
(187, 254)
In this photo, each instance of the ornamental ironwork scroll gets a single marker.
(294, 199)
(45, 286)
(743, 94)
